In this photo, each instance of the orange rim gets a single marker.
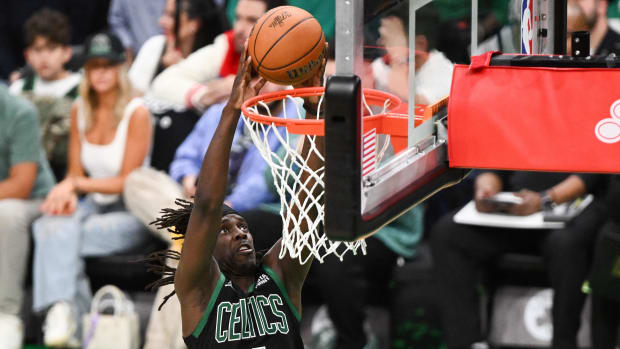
(385, 123)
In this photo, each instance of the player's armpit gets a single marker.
(291, 272)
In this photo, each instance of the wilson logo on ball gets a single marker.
(294, 74)
(279, 19)
(286, 45)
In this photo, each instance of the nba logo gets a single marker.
(527, 27)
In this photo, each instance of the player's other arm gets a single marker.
(290, 269)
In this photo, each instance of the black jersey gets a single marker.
(264, 318)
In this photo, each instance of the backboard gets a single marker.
(366, 189)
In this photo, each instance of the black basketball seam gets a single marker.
(259, 29)
(280, 38)
(300, 58)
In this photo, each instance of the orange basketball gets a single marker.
(287, 45)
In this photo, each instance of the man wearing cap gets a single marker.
(25, 179)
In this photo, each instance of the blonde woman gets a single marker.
(109, 138)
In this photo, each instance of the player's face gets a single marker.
(47, 58)
(246, 15)
(234, 248)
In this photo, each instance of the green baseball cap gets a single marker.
(104, 45)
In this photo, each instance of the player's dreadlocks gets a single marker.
(175, 220)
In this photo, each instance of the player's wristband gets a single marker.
(313, 109)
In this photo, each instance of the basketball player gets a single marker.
(230, 295)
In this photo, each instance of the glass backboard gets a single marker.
(405, 48)
(391, 46)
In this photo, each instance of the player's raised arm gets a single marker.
(197, 272)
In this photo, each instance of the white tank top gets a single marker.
(105, 160)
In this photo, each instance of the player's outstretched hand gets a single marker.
(243, 87)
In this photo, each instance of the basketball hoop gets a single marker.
(287, 163)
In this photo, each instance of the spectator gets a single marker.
(25, 179)
(52, 88)
(454, 32)
(433, 70)
(135, 21)
(322, 10)
(575, 21)
(582, 15)
(358, 275)
(606, 309)
(187, 25)
(109, 138)
(85, 20)
(206, 76)
(461, 251)
(47, 35)
(603, 40)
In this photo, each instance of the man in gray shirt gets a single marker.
(25, 179)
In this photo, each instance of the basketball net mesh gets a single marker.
(287, 165)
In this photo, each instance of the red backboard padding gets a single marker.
(541, 119)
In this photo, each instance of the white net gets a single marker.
(304, 231)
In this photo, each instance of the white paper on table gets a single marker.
(469, 215)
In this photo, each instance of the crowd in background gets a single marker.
(105, 122)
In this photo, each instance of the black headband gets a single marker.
(226, 210)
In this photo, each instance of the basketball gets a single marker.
(287, 45)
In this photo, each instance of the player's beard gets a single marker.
(245, 268)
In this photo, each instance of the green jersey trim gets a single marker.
(252, 286)
(280, 285)
(205, 315)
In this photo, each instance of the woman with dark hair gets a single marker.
(187, 26)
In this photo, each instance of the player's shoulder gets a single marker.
(272, 262)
